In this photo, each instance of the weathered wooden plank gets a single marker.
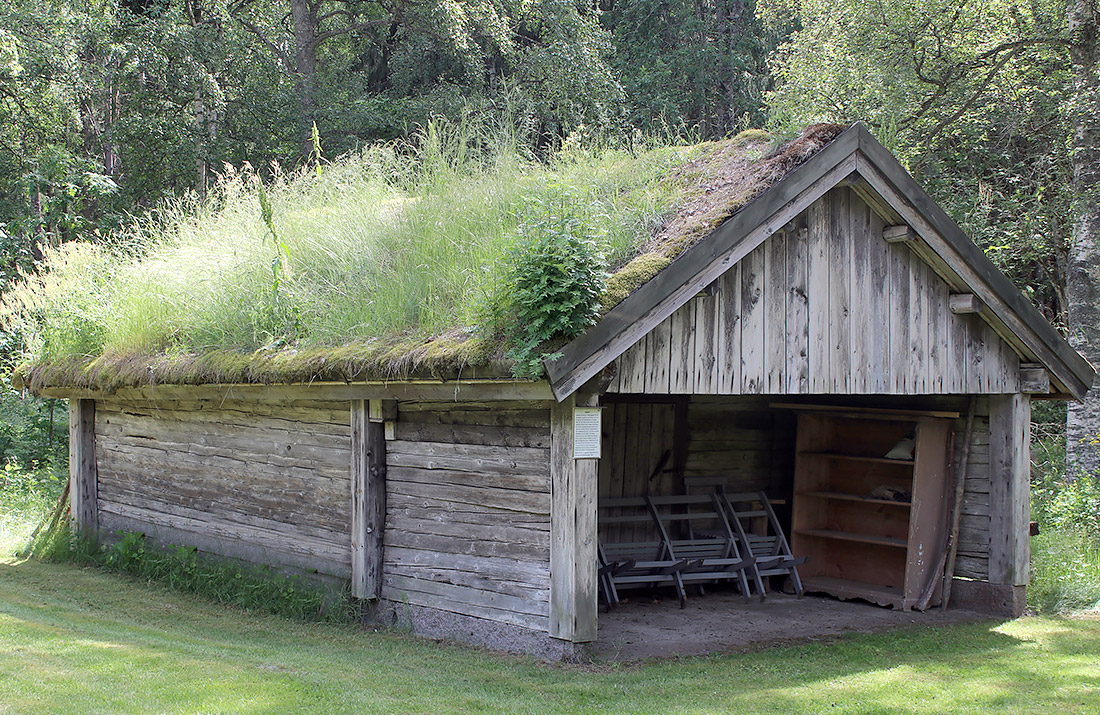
(477, 579)
(368, 498)
(1034, 378)
(839, 310)
(533, 573)
(273, 531)
(475, 534)
(862, 298)
(938, 314)
(918, 327)
(272, 537)
(899, 319)
(971, 567)
(572, 532)
(682, 349)
(730, 331)
(775, 312)
(456, 512)
(468, 601)
(797, 314)
(511, 457)
(818, 275)
(753, 319)
(82, 467)
(501, 436)
(510, 499)
(705, 378)
(482, 418)
(965, 303)
(658, 358)
(1010, 471)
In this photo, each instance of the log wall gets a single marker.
(261, 482)
(827, 307)
(468, 510)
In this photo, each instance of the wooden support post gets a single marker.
(83, 488)
(368, 497)
(1034, 378)
(573, 494)
(1009, 488)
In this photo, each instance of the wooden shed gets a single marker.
(837, 313)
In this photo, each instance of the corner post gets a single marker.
(368, 497)
(1009, 488)
(573, 494)
(83, 488)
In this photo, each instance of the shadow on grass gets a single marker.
(108, 641)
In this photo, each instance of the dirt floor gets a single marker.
(648, 628)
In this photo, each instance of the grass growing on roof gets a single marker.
(410, 257)
(378, 254)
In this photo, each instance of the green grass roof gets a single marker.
(397, 262)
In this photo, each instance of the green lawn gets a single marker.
(80, 640)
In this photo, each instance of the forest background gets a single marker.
(111, 108)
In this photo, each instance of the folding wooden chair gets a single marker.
(695, 527)
(630, 562)
(764, 537)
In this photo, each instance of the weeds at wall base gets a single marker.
(184, 570)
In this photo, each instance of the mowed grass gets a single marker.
(79, 640)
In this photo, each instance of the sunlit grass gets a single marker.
(1065, 571)
(404, 239)
(75, 640)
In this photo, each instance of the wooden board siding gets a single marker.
(266, 483)
(468, 510)
(828, 308)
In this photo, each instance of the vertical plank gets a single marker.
(817, 277)
(860, 300)
(918, 327)
(658, 358)
(879, 299)
(752, 322)
(730, 331)
(798, 315)
(682, 349)
(975, 347)
(936, 290)
(840, 336)
(572, 531)
(957, 353)
(634, 371)
(1009, 488)
(899, 318)
(775, 313)
(83, 481)
(368, 498)
(705, 374)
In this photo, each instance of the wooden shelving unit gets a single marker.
(862, 541)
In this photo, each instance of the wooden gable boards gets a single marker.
(825, 307)
(857, 160)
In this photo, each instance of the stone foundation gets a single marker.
(436, 623)
(992, 598)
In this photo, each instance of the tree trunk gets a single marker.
(1083, 279)
(304, 15)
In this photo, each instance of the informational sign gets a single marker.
(586, 432)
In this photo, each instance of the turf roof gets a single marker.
(720, 179)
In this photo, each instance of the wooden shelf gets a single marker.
(857, 458)
(852, 536)
(856, 497)
(845, 589)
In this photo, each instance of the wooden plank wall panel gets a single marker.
(267, 483)
(973, 558)
(826, 307)
(742, 440)
(468, 510)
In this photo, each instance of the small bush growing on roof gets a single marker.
(556, 279)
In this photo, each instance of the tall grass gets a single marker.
(26, 495)
(406, 238)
